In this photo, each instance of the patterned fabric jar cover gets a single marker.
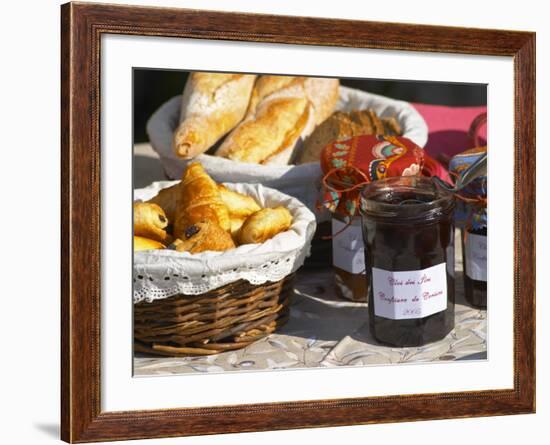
(471, 208)
(348, 164)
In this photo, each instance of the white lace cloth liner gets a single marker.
(164, 273)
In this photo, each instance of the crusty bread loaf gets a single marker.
(282, 109)
(341, 125)
(323, 94)
(212, 105)
(391, 126)
(337, 126)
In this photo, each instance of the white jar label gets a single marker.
(348, 249)
(409, 294)
(476, 256)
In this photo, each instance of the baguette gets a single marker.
(212, 105)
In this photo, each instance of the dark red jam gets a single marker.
(409, 256)
(474, 260)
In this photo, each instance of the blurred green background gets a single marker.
(152, 87)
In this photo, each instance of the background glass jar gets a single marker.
(474, 259)
(348, 258)
(409, 255)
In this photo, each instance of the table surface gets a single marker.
(325, 331)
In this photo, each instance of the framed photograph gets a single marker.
(275, 222)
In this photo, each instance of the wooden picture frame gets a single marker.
(82, 26)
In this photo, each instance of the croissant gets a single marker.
(264, 224)
(203, 236)
(212, 104)
(199, 200)
(141, 243)
(236, 224)
(167, 199)
(239, 205)
(150, 221)
(282, 110)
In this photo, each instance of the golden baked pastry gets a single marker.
(212, 105)
(199, 200)
(239, 205)
(141, 243)
(236, 224)
(167, 199)
(274, 127)
(264, 224)
(150, 221)
(282, 109)
(203, 236)
(341, 125)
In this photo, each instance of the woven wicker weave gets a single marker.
(230, 317)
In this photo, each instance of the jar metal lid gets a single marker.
(405, 199)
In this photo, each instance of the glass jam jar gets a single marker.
(409, 255)
(471, 218)
(474, 260)
(348, 258)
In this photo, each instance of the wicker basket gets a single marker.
(228, 318)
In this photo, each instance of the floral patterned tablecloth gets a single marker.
(325, 331)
